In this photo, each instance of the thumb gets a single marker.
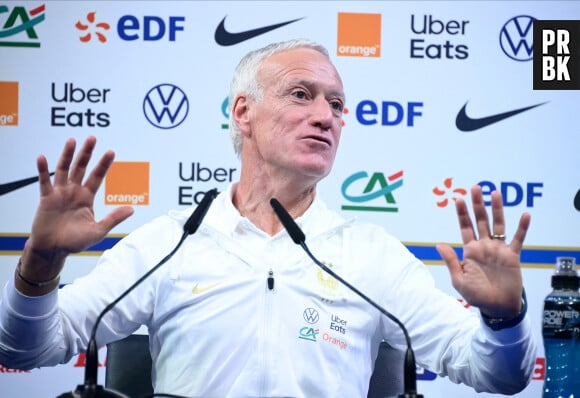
(115, 217)
(451, 260)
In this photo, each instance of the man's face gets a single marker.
(296, 126)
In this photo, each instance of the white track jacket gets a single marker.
(217, 329)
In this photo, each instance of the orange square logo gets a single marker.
(8, 103)
(127, 183)
(359, 35)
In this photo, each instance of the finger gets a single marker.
(452, 261)
(480, 212)
(100, 171)
(43, 176)
(497, 213)
(77, 172)
(518, 241)
(63, 165)
(465, 224)
(114, 218)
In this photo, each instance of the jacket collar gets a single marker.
(226, 219)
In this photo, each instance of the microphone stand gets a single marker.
(297, 235)
(410, 370)
(90, 388)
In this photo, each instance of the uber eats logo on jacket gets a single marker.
(372, 192)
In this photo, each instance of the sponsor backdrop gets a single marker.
(439, 98)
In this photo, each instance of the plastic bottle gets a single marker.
(561, 332)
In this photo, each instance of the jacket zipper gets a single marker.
(265, 382)
(270, 279)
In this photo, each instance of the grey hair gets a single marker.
(245, 79)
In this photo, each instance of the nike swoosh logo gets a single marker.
(577, 200)
(202, 289)
(225, 38)
(14, 185)
(466, 123)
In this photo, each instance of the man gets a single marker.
(226, 313)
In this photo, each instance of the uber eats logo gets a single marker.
(79, 106)
(436, 38)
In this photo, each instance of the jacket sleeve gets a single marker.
(453, 341)
(51, 329)
(30, 333)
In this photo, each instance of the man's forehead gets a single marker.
(288, 69)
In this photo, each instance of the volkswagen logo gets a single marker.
(310, 315)
(516, 38)
(166, 106)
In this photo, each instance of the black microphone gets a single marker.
(90, 388)
(410, 372)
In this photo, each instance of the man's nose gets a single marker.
(322, 114)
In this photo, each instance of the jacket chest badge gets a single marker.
(328, 284)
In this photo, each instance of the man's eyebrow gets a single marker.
(339, 94)
(310, 82)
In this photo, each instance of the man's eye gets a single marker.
(337, 105)
(299, 94)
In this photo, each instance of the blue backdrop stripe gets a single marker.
(533, 256)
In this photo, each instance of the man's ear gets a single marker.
(241, 113)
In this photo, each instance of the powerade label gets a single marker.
(561, 319)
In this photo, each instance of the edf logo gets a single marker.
(151, 28)
(556, 55)
(388, 113)
(130, 28)
(513, 193)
